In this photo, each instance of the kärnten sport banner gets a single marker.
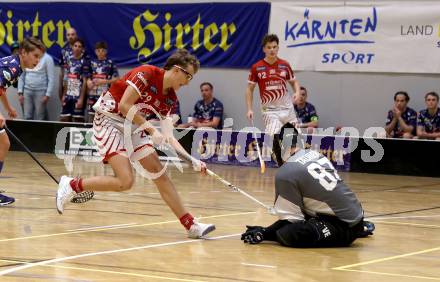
(382, 36)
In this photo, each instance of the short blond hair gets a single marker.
(29, 44)
(182, 58)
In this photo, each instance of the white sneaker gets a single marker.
(65, 193)
(198, 230)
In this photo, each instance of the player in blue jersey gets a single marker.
(208, 112)
(75, 91)
(103, 72)
(30, 52)
(305, 112)
(401, 120)
(66, 52)
(428, 123)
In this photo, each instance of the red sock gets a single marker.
(76, 185)
(187, 220)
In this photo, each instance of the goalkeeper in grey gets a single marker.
(314, 205)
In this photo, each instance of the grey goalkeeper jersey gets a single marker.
(309, 184)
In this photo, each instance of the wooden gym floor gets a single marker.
(133, 236)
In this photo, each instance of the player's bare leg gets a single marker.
(121, 181)
(4, 148)
(4, 145)
(169, 194)
(163, 183)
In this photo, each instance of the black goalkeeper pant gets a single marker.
(318, 232)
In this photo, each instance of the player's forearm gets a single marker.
(63, 92)
(426, 135)
(125, 109)
(313, 124)
(83, 90)
(5, 102)
(408, 129)
(50, 84)
(389, 128)
(50, 71)
(130, 111)
(61, 83)
(213, 123)
(405, 127)
(296, 87)
(434, 135)
(20, 86)
(421, 132)
(249, 99)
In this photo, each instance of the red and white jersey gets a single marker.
(147, 80)
(272, 81)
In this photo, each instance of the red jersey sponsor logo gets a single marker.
(272, 81)
(141, 77)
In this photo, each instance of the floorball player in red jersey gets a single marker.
(142, 92)
(272, 75)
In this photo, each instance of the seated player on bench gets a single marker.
(314, 205)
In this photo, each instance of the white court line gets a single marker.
(259, 265)
(98, 227)
(46, 262)
(34, 198)
(404, 217)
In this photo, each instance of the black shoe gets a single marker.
(5, 200)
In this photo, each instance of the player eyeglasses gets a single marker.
(188, 75)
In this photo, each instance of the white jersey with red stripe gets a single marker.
(272, 81)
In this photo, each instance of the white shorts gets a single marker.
(109, 137)
(275, 119)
